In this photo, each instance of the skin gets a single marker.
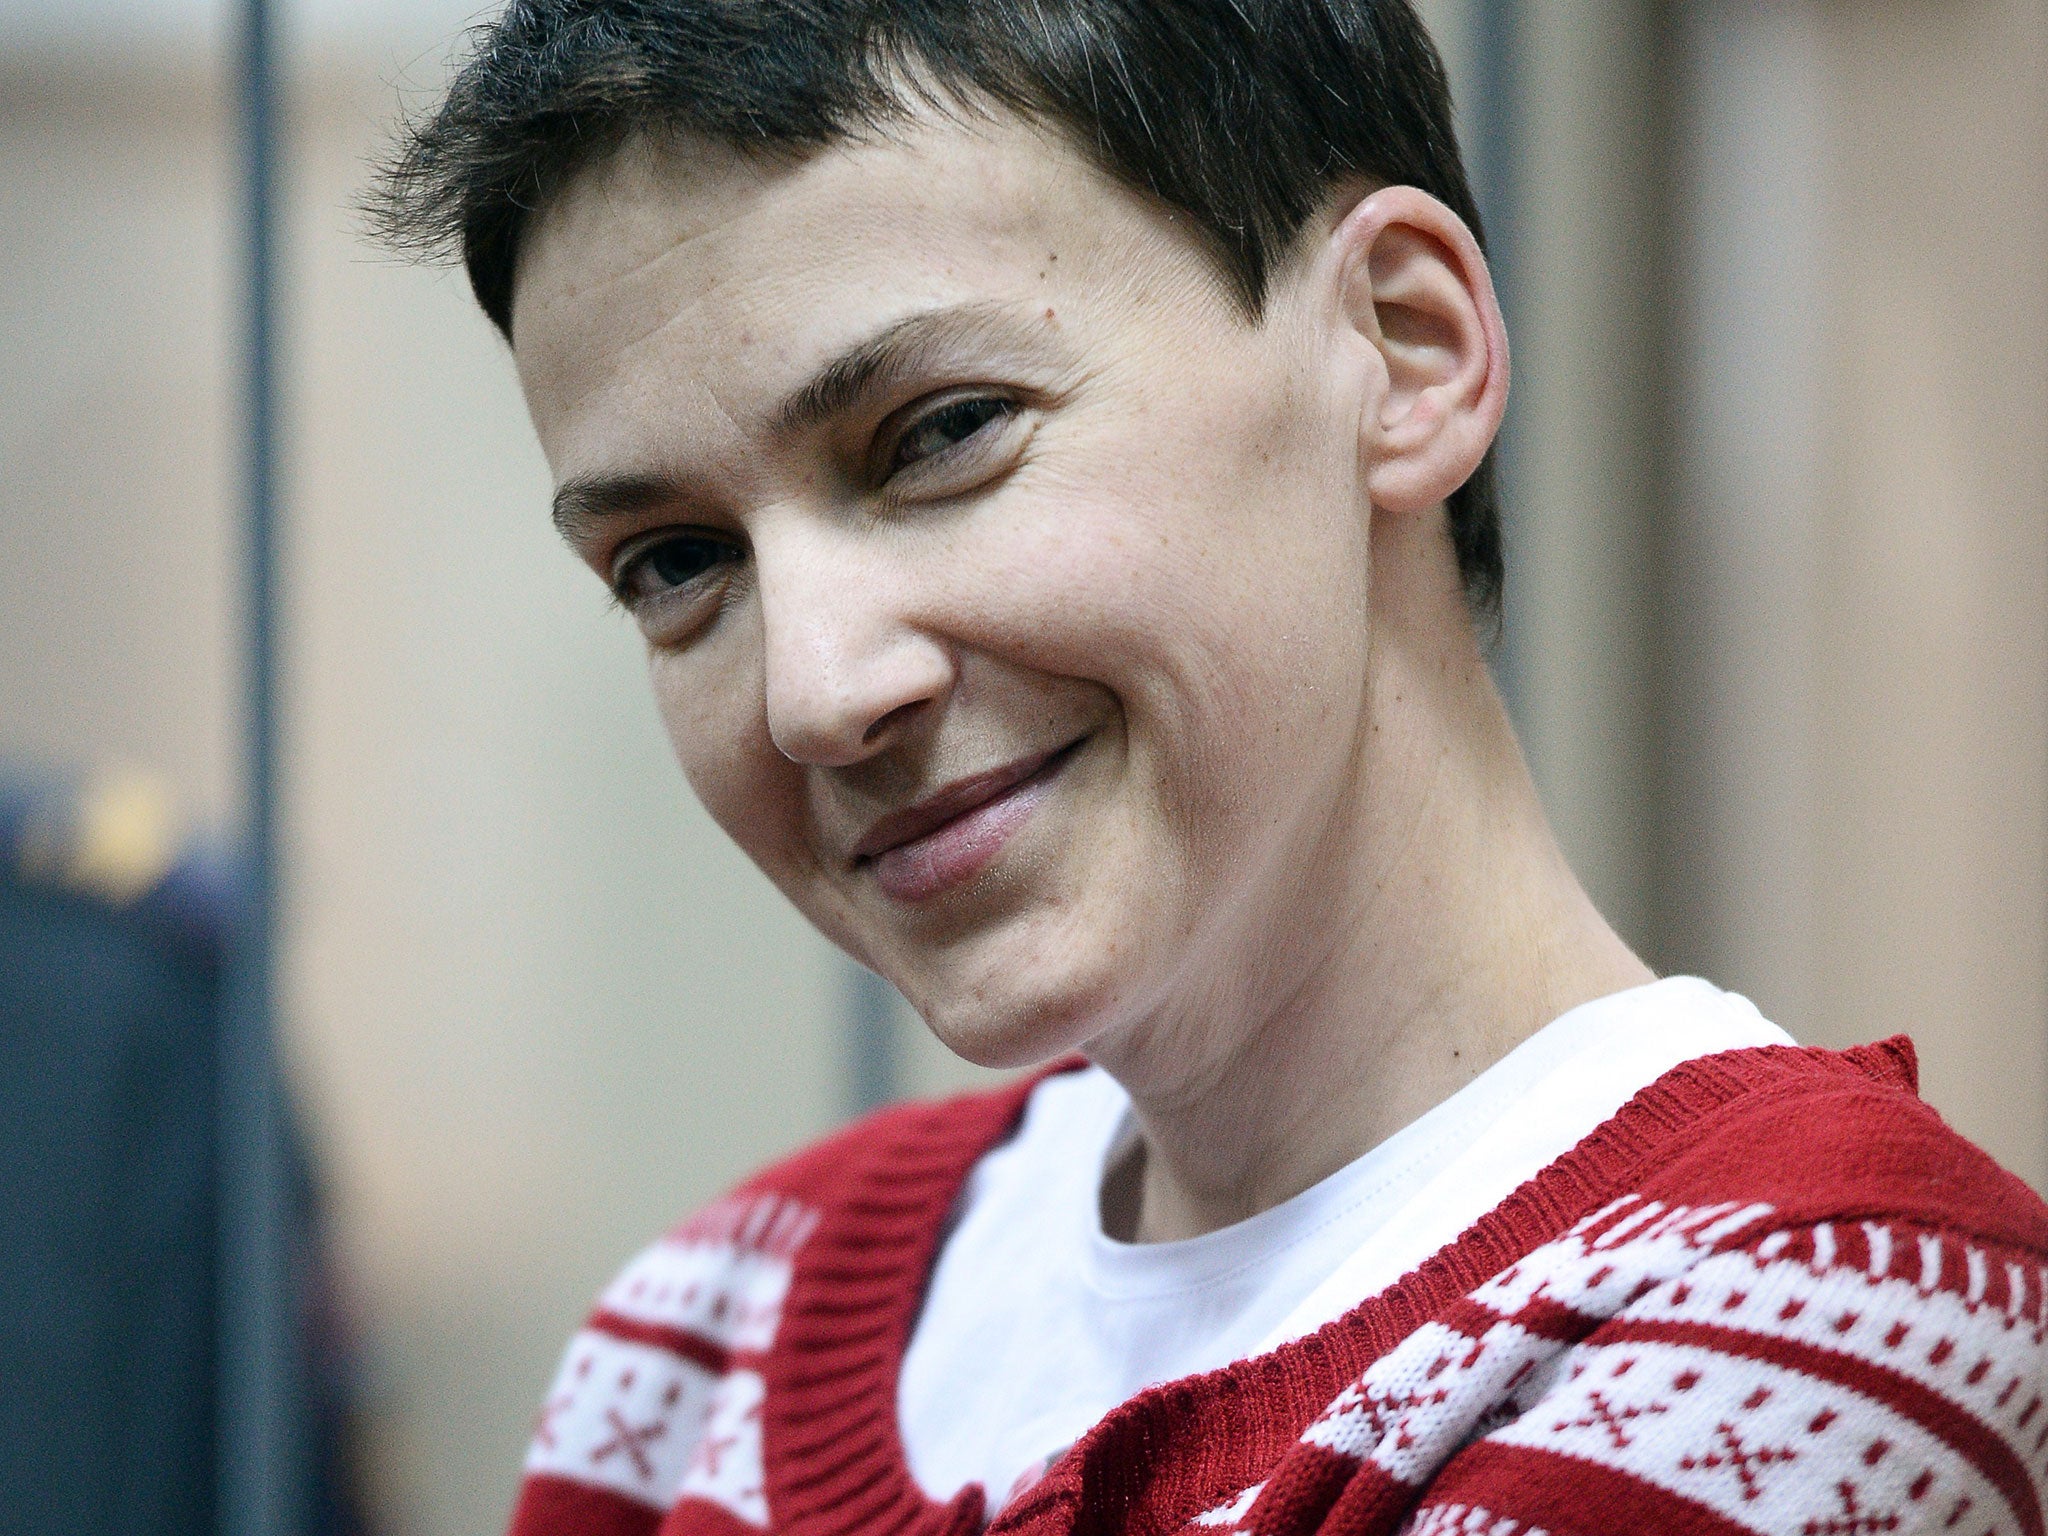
(1289, 882)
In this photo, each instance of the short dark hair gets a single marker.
(1244, 114)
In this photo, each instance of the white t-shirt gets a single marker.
(1036, 1324)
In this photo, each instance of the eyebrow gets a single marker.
(868, 367)
(900, 348)
(582, 504)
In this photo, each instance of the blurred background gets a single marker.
(1777, 638)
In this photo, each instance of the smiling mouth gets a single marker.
(948, 838)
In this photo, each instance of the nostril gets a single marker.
(901, 711)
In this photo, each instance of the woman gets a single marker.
(1045, 446)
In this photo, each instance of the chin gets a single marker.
(1017, 1017)
(1034, 974)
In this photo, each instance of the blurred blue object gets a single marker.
(114, 942)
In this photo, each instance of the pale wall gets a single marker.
(1858, 706)
(537, 1006)
(1931, 850)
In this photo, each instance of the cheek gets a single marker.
(1208, 559)
(1213, 578)
(710, 707)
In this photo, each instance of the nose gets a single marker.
(846, 672)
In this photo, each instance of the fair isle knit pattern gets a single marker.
(1811, 1383)
(660, 1395)
(1773, 1295)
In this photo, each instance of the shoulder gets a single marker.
(1826, 1306)
(1809, 1307)
(660, 1394)
(1821, 1135)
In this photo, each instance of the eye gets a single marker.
(947, 427)
(667, 563)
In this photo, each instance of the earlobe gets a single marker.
(1415, 287)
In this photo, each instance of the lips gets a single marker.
(948, 838)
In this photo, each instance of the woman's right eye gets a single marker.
(668, 563)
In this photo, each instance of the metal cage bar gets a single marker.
(259, 1489)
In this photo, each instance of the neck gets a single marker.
(1416, 946)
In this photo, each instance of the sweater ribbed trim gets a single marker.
(835, 1461)
(833, 1450)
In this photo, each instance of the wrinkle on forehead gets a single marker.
(617, 223)
(656, 200)
(680, 260)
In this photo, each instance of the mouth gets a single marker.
(949, 837)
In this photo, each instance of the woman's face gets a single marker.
(1004, 586)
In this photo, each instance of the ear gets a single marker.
(1412, 282)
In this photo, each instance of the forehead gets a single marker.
(687, 265)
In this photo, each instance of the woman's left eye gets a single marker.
(947, 427)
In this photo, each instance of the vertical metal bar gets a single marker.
(258, 1486)
(1495, 115)
(872, 1069)
(1496, 118)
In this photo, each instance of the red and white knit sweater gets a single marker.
(1773, 1294)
